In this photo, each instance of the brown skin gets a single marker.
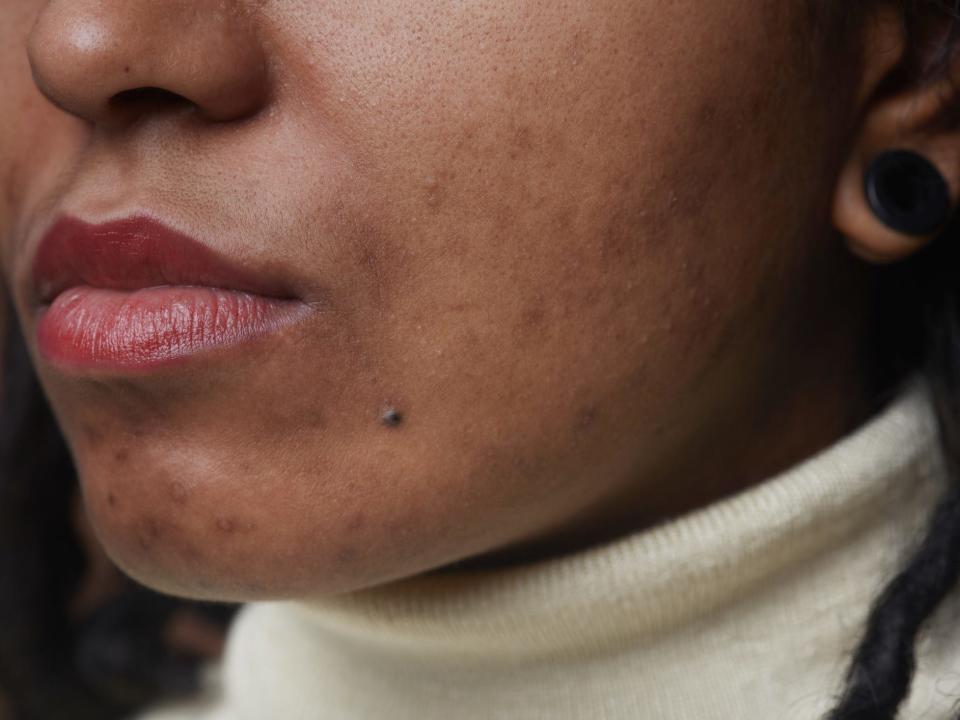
(589, 251)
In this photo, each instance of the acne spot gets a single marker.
(585, 418)
(391, 417)
(93, 436)
(371, 265)
(434, 192)
(533, 317)
(178, 492)
(190, 552)
(226, 525)
(357, 521)
(153, 528)
(231, 525)
(111, 499)
(346, 555)
(522, 141)
(122, 455)
(148, 533)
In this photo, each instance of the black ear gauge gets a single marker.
(907, 192)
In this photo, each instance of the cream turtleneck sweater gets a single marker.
(747, 609)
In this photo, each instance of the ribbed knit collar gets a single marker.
(655, 580)
(748, 608)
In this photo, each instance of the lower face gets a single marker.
(552, 241)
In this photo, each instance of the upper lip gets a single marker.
(132, 253)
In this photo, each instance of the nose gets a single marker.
(98, 58)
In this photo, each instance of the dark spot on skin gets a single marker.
(148, 533)
(346, 555)
(434, 192)
(122, 455)
(126, 68)
(153, 528)
(391, 417)
(190, 552)
(231, 525)
(357, 521)
(93, 436)
(226, 525)
(111, 500)
(522, 140)
(178, 492)
(533, 317)
(371, 265)
(585, 418)
(563, 220)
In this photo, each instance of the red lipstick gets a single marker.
(134, 294)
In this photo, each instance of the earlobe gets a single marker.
(901, 181)
(892, 204)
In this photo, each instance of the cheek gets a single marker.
(544, 264)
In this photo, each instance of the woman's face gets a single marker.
(571, 245)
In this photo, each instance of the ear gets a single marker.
(899, 109)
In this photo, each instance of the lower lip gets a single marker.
(89, 328)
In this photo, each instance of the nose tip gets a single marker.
(90, 57)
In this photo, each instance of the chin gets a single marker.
(210, 536)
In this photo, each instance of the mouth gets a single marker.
(134, 294)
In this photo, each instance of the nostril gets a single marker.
(147, 100)
(116, 62)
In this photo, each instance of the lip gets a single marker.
(134, 294)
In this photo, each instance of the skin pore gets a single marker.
(586, 252)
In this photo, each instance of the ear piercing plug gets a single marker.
(907, 192)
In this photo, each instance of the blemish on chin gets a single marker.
(93, 436)
(122, 455)
(149, 533)
(585, 417)
(433, 192)
(356, 521)
(231, 525)
(226, 525)
(178, 491)
(111, 499)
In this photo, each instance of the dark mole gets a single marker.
(391, 417)
(126, 68)
(111, 500)
(122, 455)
